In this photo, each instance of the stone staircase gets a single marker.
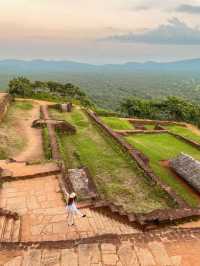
(99, 254)
(9, 229)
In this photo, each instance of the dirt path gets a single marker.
(193, 129)
(33, 149)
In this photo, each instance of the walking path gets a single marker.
(33, 150)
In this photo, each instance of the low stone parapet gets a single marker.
(82, 183)
(188, 168)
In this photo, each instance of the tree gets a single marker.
(20, 86)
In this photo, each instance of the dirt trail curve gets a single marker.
(193, 129)
(33, 149)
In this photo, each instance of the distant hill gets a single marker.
(109, 84)
(22, 66)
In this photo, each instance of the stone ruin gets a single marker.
(81, 182)
(66, 107)
(139, 127)
(60, 125)
(159, 127)
(188, 168)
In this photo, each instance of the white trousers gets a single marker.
(72, 211)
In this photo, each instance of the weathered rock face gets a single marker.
(66, 107)
(140, 127)
(188, 168)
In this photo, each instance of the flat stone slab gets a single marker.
(18, 169)
(81, 183)
(188, 168)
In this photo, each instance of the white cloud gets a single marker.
(174, 32)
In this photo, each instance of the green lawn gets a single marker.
(163, 147)
(150, 127)
(184, 131)
(116, 176)
(117, 123)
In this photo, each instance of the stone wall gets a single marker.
(154, 122)
(52, 133)
(188, 168)
(5, 100)
(133, 132)
(82, 183)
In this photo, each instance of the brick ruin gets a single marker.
(188, 168)
(182, 213)
(38, 234)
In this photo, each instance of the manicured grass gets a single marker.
(118, 179)
(150, 127)
(164, 147)
(23, 105)
(184, 131)
(12, 139)
(117, 124)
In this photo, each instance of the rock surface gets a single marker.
(188, 168)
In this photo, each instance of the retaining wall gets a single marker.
(133, 132)
(154, 122)
(52, 133)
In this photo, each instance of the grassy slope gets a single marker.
(117, 178)
(117, 123)
(163, 147)
(11, 142)
(185, 132)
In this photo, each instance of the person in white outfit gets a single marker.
(72, 209)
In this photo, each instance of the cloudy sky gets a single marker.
(100, 31)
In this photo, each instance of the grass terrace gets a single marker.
(117, 178)
(160, 147)
(117, 123)
(184, 131)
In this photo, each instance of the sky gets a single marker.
(100, 31)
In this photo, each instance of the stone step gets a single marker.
(7, 236)
(69, 257)
(32, 258)
(145, 257)
(159, 252)
(127, 254)
(16, 231)
(17, 261)
(2, 226)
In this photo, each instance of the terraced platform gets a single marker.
(20, 170)
(44, 216)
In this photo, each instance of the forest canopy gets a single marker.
(49, 90)
(171, 108)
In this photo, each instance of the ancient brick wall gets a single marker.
(133, 132)
(154, 122)
(52, 134)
